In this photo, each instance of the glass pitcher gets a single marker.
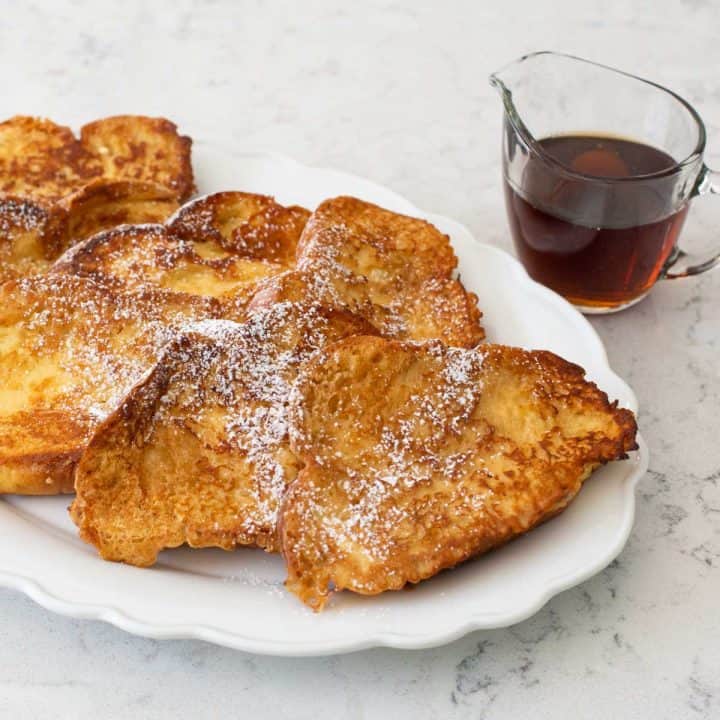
(599, 168)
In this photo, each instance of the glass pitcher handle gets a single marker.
(685, 264)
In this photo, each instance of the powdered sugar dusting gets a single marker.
(415, 442)
(22, 214)
(404, 287)
(98, 343)
(248, 225)
(246, 372)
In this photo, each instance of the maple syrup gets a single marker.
(600, 249)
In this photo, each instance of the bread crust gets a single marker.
(417, 457)
(198, 451)
(398, 268)
(197, 251)
(69, 351)
(56, 189)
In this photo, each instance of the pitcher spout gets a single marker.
(546, 94)
(513, 81)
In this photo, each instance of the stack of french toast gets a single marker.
(225, 371)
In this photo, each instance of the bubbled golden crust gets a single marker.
(400, 267)
(144, 149)
(40, 160)
(246, 224)
(56, 189)
(144, 269)
(137, 256)
(418, 456)
(194, 251)
(198, 452)
(69, 351)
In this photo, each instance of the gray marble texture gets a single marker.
(397, 91)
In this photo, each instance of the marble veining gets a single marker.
(397, 91)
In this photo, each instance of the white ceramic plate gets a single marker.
(237, 599)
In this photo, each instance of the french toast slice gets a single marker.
(400, 267)
(417, 457)
(103, 204)
(69, 351)
(56, 189)
(40, 160)
(136, 256)
(197, 251)
(34, 234)
(254, 226)
(140, 148)
(198, 451)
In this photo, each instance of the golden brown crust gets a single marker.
(198, 452)
(366, 232)
(69, 350)
(246, 224)
(417, 457)
(195, 251)
(56, 189)
(40, 160)
(103, 204)
(144, 149)
(32, 234)
(138, 256)
(400, 268)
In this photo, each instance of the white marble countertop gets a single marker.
(397, 91)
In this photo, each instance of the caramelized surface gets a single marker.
(197, 251)
(417, 457)
(69, 351)
(40, 160)
(144, 149)
(254, 226)
(395, 268)
(198, 452)
(56, 189)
